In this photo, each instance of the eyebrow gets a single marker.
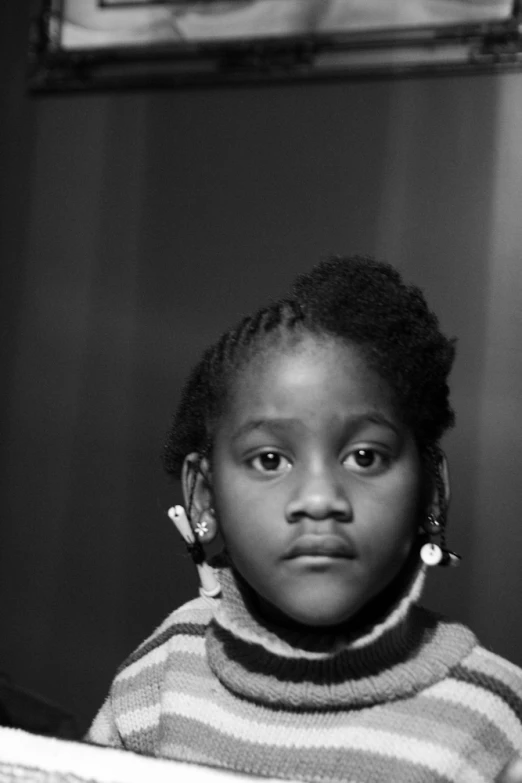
(259, 424)
(351, 422)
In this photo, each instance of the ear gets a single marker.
(197, 493)
(441, 490)
(196, 484)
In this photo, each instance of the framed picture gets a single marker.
(86, 44)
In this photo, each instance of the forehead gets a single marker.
(314, 378)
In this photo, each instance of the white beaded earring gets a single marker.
(210, 586)
(432, 554)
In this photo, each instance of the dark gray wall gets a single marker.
(134, 227)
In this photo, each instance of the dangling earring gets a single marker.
(432, 554)
(205, 528)
(210, 586)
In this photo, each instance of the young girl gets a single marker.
(308, 437)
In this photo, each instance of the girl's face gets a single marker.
(316, 483)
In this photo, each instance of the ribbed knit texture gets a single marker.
(413, 698)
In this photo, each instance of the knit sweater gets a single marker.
(412, 698)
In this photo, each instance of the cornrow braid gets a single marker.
(209, 383)
(433, 457)
(357, 300)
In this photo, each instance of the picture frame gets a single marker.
(112, 44)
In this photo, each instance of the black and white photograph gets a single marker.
(261, 391)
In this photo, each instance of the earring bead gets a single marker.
(431, 554)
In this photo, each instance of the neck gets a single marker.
(396, 597)
(359, 662)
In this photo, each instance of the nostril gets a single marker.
(319, 507)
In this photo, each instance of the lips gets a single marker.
(320, 546)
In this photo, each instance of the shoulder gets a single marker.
(182, 629)
(131, 712)
(494, 687)
(487, 688)
(485, 669)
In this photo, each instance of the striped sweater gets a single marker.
(413, 698)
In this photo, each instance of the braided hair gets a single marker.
(356, 299)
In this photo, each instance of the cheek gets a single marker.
(240, 503)
(407, 525)
(251, 530)
(396, 511)
(406, 521)
(243, 530)
(407, 491)
(233, 510)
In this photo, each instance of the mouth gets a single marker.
(320, 546)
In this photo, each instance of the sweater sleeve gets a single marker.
(129, 717)
(103, 730)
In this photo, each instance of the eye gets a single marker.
(270, 462)
(366, 460)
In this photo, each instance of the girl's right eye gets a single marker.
(270, 462)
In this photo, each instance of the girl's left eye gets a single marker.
(366, 460)
(270, 462)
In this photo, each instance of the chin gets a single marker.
(318, 618)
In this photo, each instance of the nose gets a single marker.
(319, 496)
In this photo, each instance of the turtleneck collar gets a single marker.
(404, 649)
